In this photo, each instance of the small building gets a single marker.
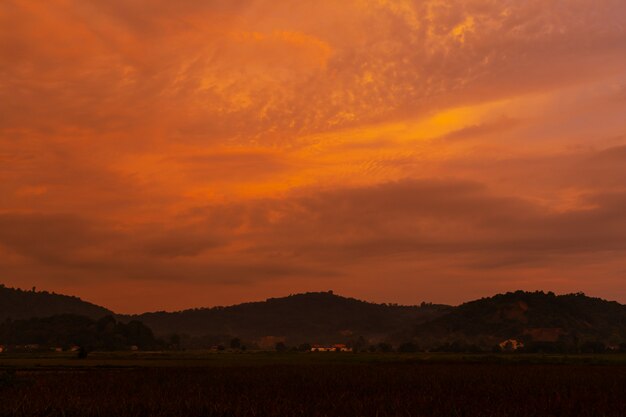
(320, 348)
(338, 347)
(511, 345)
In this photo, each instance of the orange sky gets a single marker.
(159, 154)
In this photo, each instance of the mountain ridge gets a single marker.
(570, 321)
(323, 316)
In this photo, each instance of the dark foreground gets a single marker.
(331, 389)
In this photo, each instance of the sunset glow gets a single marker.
(158, 155)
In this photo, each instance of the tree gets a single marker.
(358, 345)
(175, 341)
(384, 347)
(304, 347)
(408, 347)
(235, 343)
(106, 324)
(82, 352)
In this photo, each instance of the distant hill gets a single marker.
(19, 304)
(317, 317)
(572, 320)
(541, 321)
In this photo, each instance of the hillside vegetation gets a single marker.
(65, 331)
(20, 304)
(320, 317)
(536, 321)
(536, 318)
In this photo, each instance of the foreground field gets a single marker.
(66, 360)
(324, 389)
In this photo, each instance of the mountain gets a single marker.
(316, 317)
(570, 321)
(19, 304)
(541, 321)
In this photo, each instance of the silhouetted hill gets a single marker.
(19, 304)
(319, 317)
(541, 321)
(572, 321)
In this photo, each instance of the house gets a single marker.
(338, 347)
(511, 345)
(320, 348)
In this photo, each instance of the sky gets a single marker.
(160, 155)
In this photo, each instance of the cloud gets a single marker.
(445, 146)
(476, 131)
(237, 78)
(52, 239)
(434, 217)
(240, 165)
(173, 245)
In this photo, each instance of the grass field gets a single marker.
(263, 358)
(301, 384)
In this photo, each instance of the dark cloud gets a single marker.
(51, 239)
(426, 218)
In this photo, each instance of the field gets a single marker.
(301, 384)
